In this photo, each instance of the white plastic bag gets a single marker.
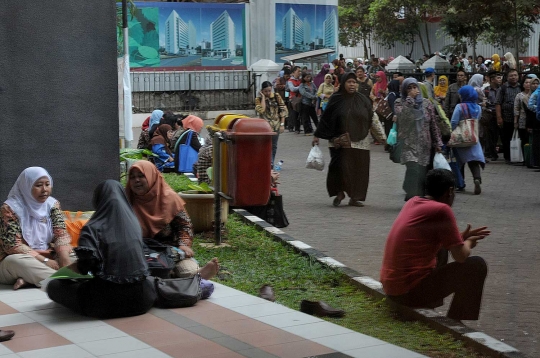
(440, 162)
(315, 159)
(516, 155)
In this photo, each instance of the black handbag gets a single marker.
(395, 152)
(160, 258)
(177, 292)
(273, 212)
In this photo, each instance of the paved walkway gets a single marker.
(230, 324)
(509, 205)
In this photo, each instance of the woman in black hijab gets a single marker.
(111, 249)
(349, 112)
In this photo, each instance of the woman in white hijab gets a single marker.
(34, 242)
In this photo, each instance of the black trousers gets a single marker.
(308, 113)
(491, 137)
(535, 149)
(103, 299)
(506, 136)
(464, 280)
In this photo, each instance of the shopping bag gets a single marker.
(440, 162)
(516, 155)
(392, 136)
(315, 159)
(466, 132)
(383, 109)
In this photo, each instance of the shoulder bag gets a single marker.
(160, 258)
(187, 155)
(466, 132)
(177, 292)
(383, 109)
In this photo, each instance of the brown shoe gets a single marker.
(267, 292)
(6, 335)
(320, 308)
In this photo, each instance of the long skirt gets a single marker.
(103, 299)
(348, 172)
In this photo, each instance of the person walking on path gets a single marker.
(348, 112)
(271, 107)
(504, 109)
(410, 274)
(473, 156)
(419, 134)
(491, 129)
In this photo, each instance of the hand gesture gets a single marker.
(475, 234)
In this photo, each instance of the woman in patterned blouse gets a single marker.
(34, 242)
(163, 218)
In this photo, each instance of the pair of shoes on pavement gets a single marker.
(320, 308)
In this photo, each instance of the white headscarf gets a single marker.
(34, 217)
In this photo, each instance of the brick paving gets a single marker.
(509, 205)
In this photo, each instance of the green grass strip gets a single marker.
(254, 259)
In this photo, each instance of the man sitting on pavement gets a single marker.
(410, 274)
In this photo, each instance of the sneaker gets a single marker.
(477, 188)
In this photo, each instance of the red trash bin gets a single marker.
(249, 142)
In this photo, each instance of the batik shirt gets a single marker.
(12, 241)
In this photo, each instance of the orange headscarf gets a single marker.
(193, 122)
(159, 205)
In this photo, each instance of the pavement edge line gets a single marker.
(477, 340)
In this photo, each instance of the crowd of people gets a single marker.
(425, 109)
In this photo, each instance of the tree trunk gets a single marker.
(369, 47)
(412, 47)
(427, 38)
(366, 55)
(538, 47)
(474, 43)
(421, 41)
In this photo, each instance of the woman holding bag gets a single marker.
(346, 124)
(326, 89)
(473, 156)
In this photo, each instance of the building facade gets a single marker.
(180, 37)
(222, 36)
(293, 30)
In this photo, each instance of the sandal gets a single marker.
(338, 199)
(358, 203)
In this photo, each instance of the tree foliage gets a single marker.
(354, 24)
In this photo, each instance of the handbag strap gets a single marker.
(465, 110)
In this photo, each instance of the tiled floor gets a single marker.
(229, 324)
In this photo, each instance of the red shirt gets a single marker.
(422, 227)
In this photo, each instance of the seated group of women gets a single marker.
(165, 132)
(34, 242)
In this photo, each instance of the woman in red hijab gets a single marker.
(380, 88)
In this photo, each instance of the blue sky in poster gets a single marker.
(202, 15)
(315, 14)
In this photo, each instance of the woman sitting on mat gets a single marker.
(163, 218)
(34, 242)
(111, 248)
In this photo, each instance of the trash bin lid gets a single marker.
(222, 121)
(249, 126)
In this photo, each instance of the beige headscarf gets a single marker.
(159, 205)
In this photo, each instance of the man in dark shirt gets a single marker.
(504, 108)
(452, 98)
(489, 118)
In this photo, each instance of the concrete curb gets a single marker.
(479, 341)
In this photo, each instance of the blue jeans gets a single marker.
(274, 146)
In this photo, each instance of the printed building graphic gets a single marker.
(330, 35)
(180, 37)
(222, 36)
(293, 30)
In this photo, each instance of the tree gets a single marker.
(354, 24)
(399, 21)
(461, 19)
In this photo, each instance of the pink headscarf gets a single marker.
(382, 85)
(193, 122)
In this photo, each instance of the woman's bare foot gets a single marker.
(210, 269)
(20, 283)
